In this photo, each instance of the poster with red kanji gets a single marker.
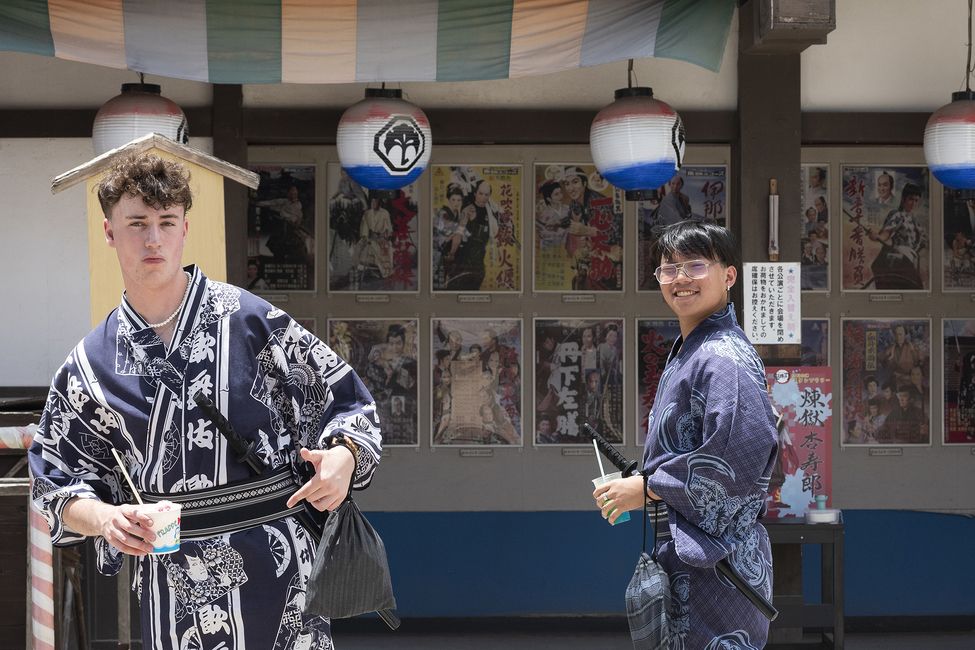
(802, 398)
(655, 339)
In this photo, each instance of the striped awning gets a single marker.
(340, 41)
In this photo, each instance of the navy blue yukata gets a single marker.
(710, 450)
(277, 384)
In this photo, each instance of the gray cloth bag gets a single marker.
(350, 575)
(648, 596)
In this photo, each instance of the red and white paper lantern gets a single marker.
(949, 142)
(139, 110)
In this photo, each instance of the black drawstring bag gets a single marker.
(648, 594)
(350, 575)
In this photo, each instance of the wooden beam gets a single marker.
(230, 144)
(76, 122)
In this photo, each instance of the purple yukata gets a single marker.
(277, 384)
(710, 449)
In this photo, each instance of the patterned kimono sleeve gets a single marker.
(348, 410)
(69, 459)
(716, 492)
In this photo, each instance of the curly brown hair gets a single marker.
(160, 183)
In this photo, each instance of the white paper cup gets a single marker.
(602, 480)
(165, 523)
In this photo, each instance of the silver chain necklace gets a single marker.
(189, 283)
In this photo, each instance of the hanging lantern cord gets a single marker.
(142, 76)
(629, 65)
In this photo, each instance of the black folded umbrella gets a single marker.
(350, 575)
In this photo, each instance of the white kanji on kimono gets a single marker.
(106, 420)
(201, 384)
(199, 435)
(213, 619)
(75, 394)
(202, 348)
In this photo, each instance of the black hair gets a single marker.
(910, 190)
(441, 355)
(454, 188)
(870, 378)
(547, 190)
(697, 238)
(396, 330)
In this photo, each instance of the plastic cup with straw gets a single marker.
(165, 516)
(606, 478)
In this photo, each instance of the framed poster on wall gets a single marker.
(959, 380)
(281, 229)
(578, 379)
(578, 229)
(886, 382)
(476, 382)
(383, 352)
(373, 242)
(697, 192)
(886, 228)
(958, 261)
(655, 339)
(476, 222)
(815, 227)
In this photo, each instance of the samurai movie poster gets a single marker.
(803, 400)
(373, 240)
(476, 227)
(813, 351)
(886, 224)
(654, 342)
(476, 390)
(281, 229)
(886, 382)
(578, 379)
(959, 381)
(578, 230)
(814, 200)
(697, 192)
(383, 353)
(959, 246)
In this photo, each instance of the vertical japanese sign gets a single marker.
(814, 233)
(803, 399)
(698, 192)
(772, 300)
(383, 352)
(476, 381)
(373, 240)
(578, 378)
(281, 229)
(886, 226)
(959, 384)
(476, 227)
(578, 229)
(886, 382)
(655, 338)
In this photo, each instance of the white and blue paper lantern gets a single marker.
(949, 142)
(637, 142)
(139, 110)
(383, 141)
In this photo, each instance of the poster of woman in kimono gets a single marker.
(814, 233)
(281, 229)
(578, 379)
(697, 192)
(373, 239)
(886, 224)
(959, 381)
(886, 382)
(383, 352)
(476, 382)
(476, 217)
(958, 260)
(578, 229)
(655, 339)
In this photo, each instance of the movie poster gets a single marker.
(578, 229)
(959, 381)
(814, 350)
(886, 382)
(476, 217)
(578, 380)
(886, 225)
(281, 229)
(814, 242)
(959, 245)
(655, 338)
(383, 352)
(373, 241)
(697, 192)
(802, 399)
(476, 381)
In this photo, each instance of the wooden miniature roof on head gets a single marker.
(155, 141)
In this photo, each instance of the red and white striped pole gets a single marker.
(41, 581)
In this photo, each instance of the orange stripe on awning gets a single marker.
(318, 41)
(546, 36)
(92, 31)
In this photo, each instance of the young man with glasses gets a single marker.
(710, 448)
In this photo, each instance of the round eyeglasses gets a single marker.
(693, 269)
